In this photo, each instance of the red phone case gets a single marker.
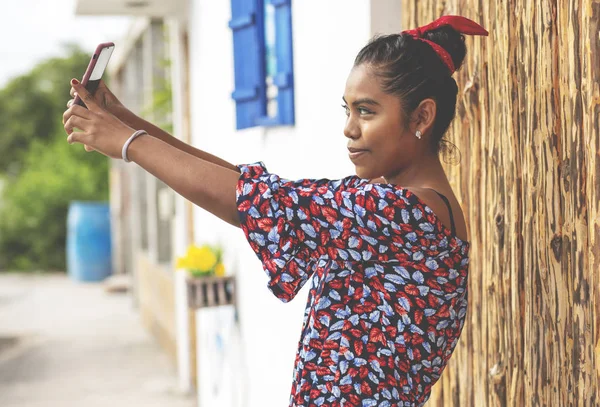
(89, 70)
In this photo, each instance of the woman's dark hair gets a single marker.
(413, 71)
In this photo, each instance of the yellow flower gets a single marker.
(202, 258)
(220, 270)
(182, 263)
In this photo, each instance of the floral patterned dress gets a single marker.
(388, 292)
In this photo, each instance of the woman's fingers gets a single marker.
(88, 148)
(76, 110)
(73, 92)
(75, 122)
(86, 96)
(70, 102)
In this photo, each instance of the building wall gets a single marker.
(528, 128)
(156, 302)
(327, 36)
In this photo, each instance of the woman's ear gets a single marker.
(424, 115)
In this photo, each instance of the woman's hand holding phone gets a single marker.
(104, 98)
(100, 130)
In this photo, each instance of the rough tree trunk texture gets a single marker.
(527, 127)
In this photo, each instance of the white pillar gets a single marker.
(184, 366)
(181, 224)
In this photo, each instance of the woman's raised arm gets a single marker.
(207, 184)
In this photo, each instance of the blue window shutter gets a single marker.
(285, 62)
(248, 59)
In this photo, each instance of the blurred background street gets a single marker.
(71, 344)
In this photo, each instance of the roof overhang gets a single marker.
(142, 8)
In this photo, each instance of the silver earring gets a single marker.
(418, 134)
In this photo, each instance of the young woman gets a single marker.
(386, 250)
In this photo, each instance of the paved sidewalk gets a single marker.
(68, 344)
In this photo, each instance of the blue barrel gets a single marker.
(88, 241)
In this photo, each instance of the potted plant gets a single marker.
(207, 285)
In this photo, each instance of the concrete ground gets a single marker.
(68, 344)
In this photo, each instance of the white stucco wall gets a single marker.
(327, 35)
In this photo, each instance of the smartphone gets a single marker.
(95, 70)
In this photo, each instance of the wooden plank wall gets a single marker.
(527, 127)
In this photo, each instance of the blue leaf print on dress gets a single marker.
(346, 380)
(318, 200)
(405, 216)
(286, 278)
(394, 278)
(412, 236)
(254, 212)
(404, 303)
(358, 362)
(370, 272)
(390, 287)
(353, 242)
(418, 277)
(347, 213)
(343, 254)
(372, 225)
(301, 214)
(274, 236)
(402, 271)
(311, 355)
(337, 326)
(257, 238)
(423, 290)
(355, 255)
(432, 264)
(247, 188)
(360, 211)
(427, 227)
(376, 366)
(309, 230)
(417, 214)
(374, 317)
(371, 240)
(289, 214)
(427, 346)
(323, 303)
(347, 202)
(334, 233)
(418, 256)
(310, 244)
(442, 324)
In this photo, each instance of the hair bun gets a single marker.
(451, 40)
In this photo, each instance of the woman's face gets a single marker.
(380, 143)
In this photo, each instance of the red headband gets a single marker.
(461, 24)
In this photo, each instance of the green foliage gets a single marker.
(31, 106)
(42, 172)
(160, 109)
